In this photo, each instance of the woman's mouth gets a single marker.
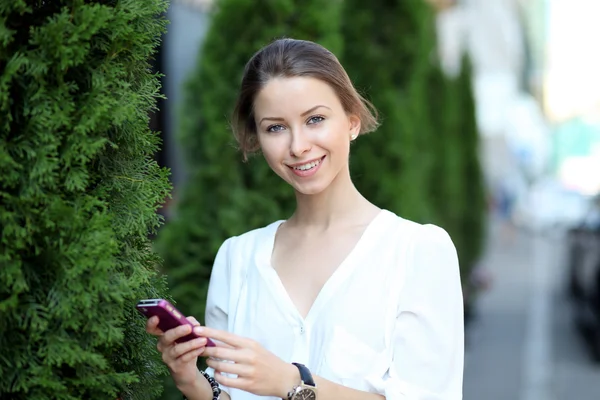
(307, 169)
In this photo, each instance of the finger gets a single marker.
(241, 370)
(183, 348)
(223, 353)
(199, 330)
(193, 320)
(152, 326)
(220, 344)
(237, 383)
(172, 335)
(222, 336)
(191, 355)
(162, 344)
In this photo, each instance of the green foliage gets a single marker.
(474, 204)
(458, 189)
(389, 59)
(223, 196)
(447, 181)
(79, 192)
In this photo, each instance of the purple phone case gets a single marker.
(168, 317)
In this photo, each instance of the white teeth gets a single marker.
(308, 166)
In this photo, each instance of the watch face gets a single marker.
(306, 394)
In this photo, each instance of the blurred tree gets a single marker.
(387, 54)
(223, 196)
(447, 180)
(79, 192)
(457, 185)
(474, 194)
(459, 192)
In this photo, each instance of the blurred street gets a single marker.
(522, 343)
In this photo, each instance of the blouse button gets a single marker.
(302, 329)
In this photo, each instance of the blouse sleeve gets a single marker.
(219, 290)
(428, 341)
(217, 301)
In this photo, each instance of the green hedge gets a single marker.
(78, 196)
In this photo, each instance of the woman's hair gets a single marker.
(292, 58)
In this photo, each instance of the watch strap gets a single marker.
(305, 375)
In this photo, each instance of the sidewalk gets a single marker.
(521, 344)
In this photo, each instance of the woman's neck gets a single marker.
(330, 207)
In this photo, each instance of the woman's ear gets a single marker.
(354, 125)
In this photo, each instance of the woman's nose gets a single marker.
(300, 144)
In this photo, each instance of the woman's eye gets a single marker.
(275, 128)
(316, 119)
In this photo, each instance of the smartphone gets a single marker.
(169, 317)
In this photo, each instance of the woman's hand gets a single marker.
(179, 357)
(258, 371)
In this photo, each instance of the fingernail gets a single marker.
(198, 330)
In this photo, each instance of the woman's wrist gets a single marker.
(199, 389)
(289, 378)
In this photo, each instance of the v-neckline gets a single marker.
(339, 275)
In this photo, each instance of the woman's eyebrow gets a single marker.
(313, 109)
(302, 115)
(271, 119)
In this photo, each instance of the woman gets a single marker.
(342, 300)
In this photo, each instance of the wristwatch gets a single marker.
(307, 389)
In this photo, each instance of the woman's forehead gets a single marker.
(294, 95)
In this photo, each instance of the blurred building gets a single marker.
(181, 45)
(506, 49)
(572, 91)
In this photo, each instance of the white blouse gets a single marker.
(388, 321)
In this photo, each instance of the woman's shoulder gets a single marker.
(250, 240)
(433, 250)
(419, 233)
(426, 244)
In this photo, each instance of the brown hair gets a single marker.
(291, 58)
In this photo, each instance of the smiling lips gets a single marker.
(307, 169)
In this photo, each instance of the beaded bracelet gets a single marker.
(213, 384)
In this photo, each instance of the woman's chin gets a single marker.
(309, 189)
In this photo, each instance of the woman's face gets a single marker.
(304, 132)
